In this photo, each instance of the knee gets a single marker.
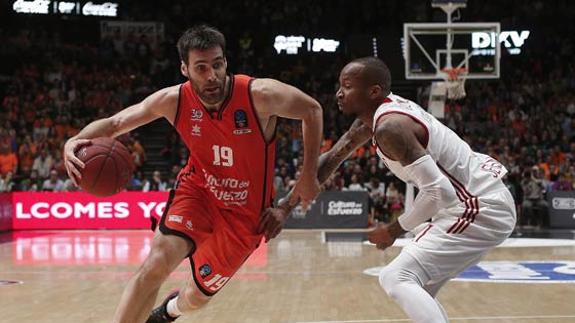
(156, 268)
(193, 298)
(393, 280)
(388, 280)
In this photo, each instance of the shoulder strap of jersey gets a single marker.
(394, 104)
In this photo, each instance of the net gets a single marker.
(455, 82)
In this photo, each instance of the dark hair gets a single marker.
(200, 37)
(375, 72)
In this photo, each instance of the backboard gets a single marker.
(429, 48)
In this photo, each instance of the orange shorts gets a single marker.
(223, 239)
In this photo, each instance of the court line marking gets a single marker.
(470, 318)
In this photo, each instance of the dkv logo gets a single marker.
(513, 272)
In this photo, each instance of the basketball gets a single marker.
(108, 166)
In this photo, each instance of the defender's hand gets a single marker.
(73, 163)
(381, 237)
(306, 190)
(272, 222)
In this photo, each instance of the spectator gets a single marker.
(534, 205)
(136, 183)
(562, 184)
(355, 185)
(54, 183)
(138, 153)
(6, 182)
(8, 160)
(155, 183)
(32, 183)
(43, 164)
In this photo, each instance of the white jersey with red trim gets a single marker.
(471, 173)
(480, 217)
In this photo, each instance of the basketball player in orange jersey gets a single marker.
(461, 194)
(228, 123)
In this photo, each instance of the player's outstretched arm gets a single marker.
(274, 98)
(400, 138)
(358, 134)
(162, 103)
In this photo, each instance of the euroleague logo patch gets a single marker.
(527, 272)
(241, 122)
(205, 270)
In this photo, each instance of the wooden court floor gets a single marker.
(78, 276)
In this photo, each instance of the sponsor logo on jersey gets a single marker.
(205, 270)
(526, 272)
(175, 218)
(197, 115)
(189, 225)
(196, 130)
(242, 131)
(240, 118)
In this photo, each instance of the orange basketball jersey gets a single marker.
(229, 156)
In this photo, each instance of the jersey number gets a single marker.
(217, 282)
(223, 156)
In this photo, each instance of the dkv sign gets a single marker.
(77, 210)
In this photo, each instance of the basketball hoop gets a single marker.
(455, 82)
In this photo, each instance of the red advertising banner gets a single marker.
(5, 212)
(77, 210)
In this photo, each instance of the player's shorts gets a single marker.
(458, 237)
(223, 239)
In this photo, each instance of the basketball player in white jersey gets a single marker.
(462, 210)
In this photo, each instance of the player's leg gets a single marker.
(213, 265)
(166, 253)
(433, 287)
(186, 300)
(185, 224)
(403, 280)
(428, 262)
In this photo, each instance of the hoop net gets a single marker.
(455, 82)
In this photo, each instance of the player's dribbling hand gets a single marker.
(272, 222)
(381, 237)
(72, 162)
(305, 190)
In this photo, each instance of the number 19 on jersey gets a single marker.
(223, 156)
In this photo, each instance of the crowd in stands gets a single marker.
(526, 120)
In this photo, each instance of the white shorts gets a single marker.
(459, 236)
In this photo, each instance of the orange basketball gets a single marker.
(108, 166)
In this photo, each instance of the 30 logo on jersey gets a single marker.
(197, 114)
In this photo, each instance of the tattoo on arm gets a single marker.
(329, 161)
(396, 136)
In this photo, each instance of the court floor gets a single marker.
(302, 276)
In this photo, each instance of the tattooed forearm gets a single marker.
(329, 161)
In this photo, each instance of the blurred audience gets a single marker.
(526, 119)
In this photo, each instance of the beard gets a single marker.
(211, 93)
(212, 96)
